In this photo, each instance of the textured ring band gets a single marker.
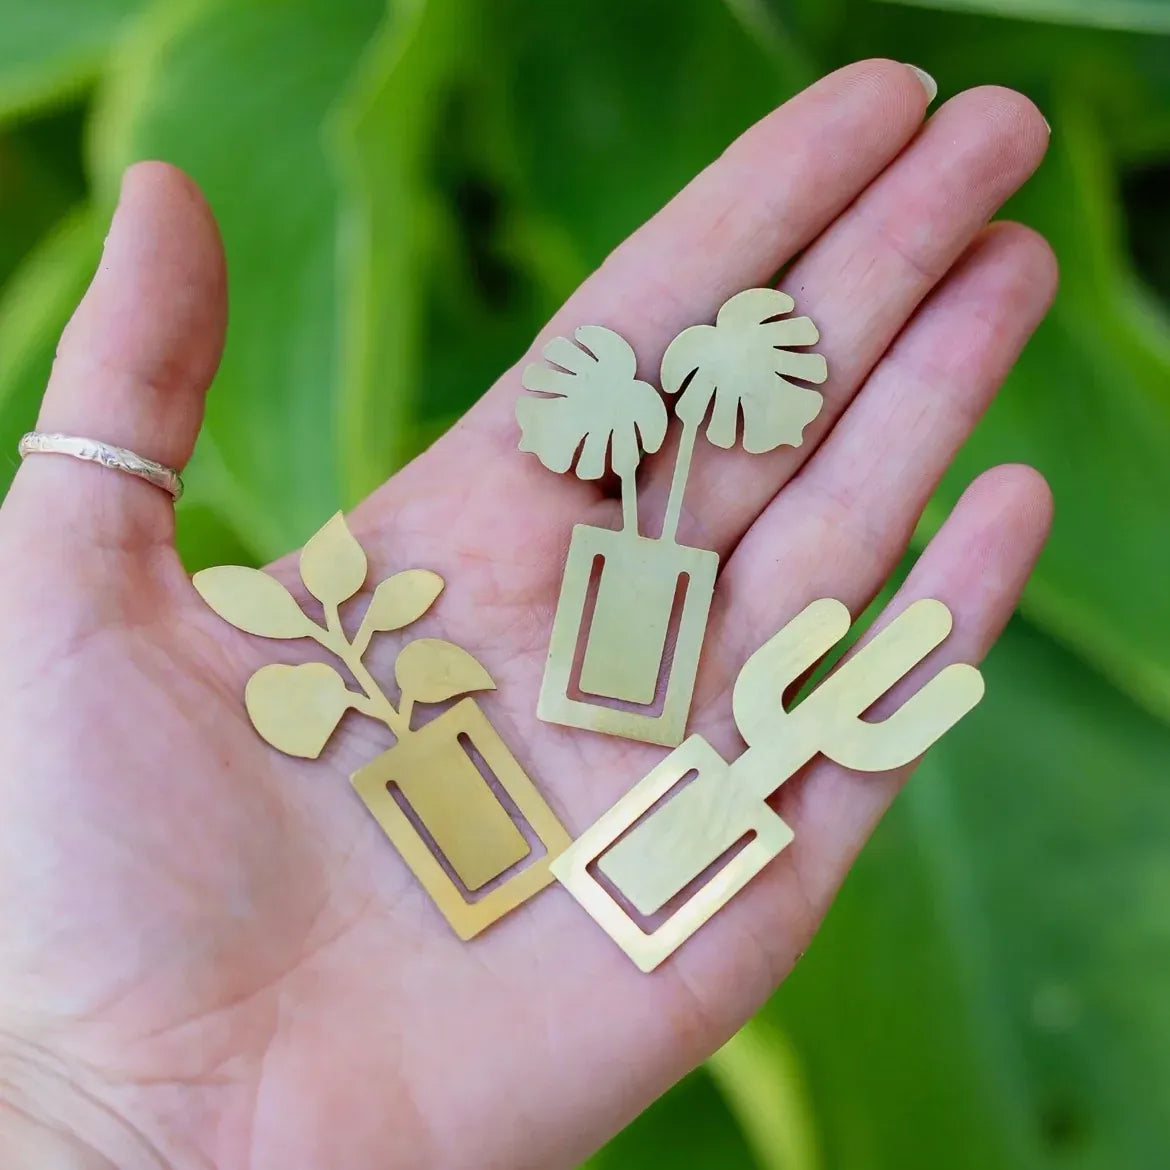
(93, 451)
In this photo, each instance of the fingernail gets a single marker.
(1048, 124)
(928, 83)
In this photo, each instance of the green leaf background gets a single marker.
(406, 190)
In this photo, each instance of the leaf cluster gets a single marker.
(589, 405)
(297, 708)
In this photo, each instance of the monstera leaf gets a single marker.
(297, 708)
(591, 402)
(744, 362)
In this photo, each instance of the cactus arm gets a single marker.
(778, 663)
(860, 681)
(909, 731)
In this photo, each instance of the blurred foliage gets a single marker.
(407, 190)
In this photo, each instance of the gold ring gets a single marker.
(95, 451)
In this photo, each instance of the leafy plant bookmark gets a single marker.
(588, 412)
(427, 792)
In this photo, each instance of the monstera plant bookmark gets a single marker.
(427, 791)
(625, 597)
(665, 835)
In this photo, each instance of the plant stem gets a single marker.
(678, 482)
(361, 640)
(406, 711)
(377, 705)
(629, 504)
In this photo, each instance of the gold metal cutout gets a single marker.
(652, 862)
(591, 414)
(432, 767)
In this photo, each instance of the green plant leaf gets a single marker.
(603, 139)
(52, 47)
(517, 220)
(529, 218)
(402, 599)
(691, 1128)
(1120, 75)
(383, 139)
(1149, 16)
(36, 304)
(206, 85)
(429, 670)
(1088, 405)
(297, 708)
(989, 988)
(333, 564)
(760, 1077)
(40, 184)
(252, 601)
(205, 539)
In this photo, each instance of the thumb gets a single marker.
(132, 370)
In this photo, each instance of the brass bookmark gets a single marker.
(590, 413)
(428, 770)
(657, 856)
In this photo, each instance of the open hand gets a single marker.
(210, 954)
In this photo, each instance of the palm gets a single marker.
(217, 942)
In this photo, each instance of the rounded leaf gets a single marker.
(297, 708)
(402, 599)
(252, 601)
(592, 409)
(430, 670)
(333, 565)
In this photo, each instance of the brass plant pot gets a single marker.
(462, 819)
(628, 635)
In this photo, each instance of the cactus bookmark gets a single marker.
(657, 856)
(591, 414)
(428, 791)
